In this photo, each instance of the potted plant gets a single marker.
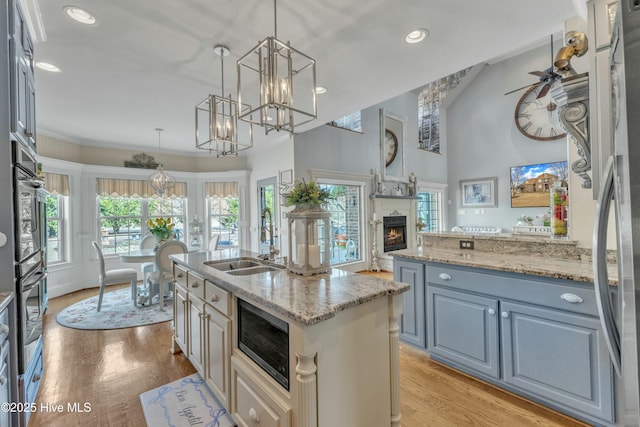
(161, 229)
(307, 195)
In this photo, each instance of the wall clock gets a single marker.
(390, 146)
(537, 118)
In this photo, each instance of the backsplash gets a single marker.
(514, 245)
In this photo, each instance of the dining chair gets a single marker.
(111, 277)
(213, 243)
(147, 242)
(163, 276)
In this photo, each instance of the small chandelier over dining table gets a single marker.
(160, 180)
(269, 76)
(217, 126)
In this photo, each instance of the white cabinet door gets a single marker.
(180, 318)
(195, 328)
(218, 343)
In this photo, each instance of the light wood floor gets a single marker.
(110, 369)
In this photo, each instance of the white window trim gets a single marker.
(442, 189)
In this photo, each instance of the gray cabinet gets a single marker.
(538, 337)
(23, 106)
(463, 328)
(413, 326)
(557, 355)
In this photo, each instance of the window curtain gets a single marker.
(221, 189)
(110, 187)
(57, 184)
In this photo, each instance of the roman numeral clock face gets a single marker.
(538, 118)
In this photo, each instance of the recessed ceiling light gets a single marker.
(320, 89)
(416, 36)
(47, 67)
(80, 15)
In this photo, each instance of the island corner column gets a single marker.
(395, 311)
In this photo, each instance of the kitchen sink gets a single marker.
(242, 266)
(233, 264)
(253, 270)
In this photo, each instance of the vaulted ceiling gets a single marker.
(149, 62)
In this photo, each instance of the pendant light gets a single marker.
(281, 81)
(161, 181)
(217, 127)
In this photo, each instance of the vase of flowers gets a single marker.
(307, 196)
(161, 229)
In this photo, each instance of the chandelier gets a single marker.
(217, 127)
(269, 76)
(161, 181)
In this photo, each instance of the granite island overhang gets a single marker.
(304, 299)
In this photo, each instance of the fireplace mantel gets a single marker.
(391, 205)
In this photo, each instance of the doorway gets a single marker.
(267, 215)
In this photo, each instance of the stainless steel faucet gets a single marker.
(272, 249)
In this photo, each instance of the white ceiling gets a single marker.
(149, 62)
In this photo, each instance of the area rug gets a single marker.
(117, 312)
(185, 402)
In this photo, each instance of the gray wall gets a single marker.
(328, 147)
(483, 141)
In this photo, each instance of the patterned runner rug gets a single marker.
(185, 402)
(117, 312)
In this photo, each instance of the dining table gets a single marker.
(149, 254)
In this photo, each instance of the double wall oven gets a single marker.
(29, 206)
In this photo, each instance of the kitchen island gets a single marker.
(341, 366)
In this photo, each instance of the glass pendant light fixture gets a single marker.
(217, 126)
(161, 181)
(270, 75)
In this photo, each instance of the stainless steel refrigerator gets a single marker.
(619, 306)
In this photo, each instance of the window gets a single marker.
(56, 203)
(122, 220)
(223, 207)
(346, 229)
(55, 229)
(125, 205)
(429, 210)
(352, 121)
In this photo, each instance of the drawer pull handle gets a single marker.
(505, 314)
(215, 298)
(35, 378)
(195, 285)
(491, 311)
(3, 380)
(444, 276)
(180, 275)
(4, 329)
(572, 298)
(253, 415)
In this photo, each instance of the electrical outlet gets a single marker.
(466, 244)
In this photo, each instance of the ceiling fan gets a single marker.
(547, 77)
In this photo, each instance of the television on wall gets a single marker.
(530, 184)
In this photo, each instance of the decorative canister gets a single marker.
(559, 202)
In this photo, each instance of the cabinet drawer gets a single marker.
(561, 294)
(217, 297)
(254, 406)
(195, 284)
(32, 380)
(180, 275)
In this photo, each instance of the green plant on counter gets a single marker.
(307, 193)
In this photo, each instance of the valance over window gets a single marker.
(220, 189)
(57, 184)
(110, 187)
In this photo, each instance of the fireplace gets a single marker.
(394, 230)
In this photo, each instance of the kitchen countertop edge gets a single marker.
(304, 299)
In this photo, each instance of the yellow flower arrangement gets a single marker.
(161, 228)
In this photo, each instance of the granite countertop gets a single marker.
(568, 269)
(305, 300)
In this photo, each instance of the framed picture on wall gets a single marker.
(479, 193)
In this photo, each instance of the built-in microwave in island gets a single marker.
(264, 339)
